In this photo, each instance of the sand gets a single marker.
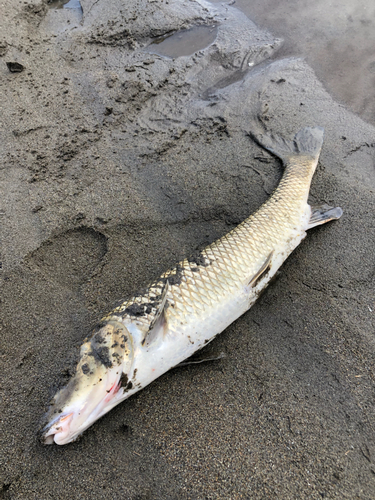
(117, 162)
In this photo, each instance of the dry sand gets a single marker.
(117, 162)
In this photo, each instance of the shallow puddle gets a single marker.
(183, 43)
(65, 4)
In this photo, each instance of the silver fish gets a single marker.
(190, 304)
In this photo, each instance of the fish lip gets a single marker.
(48, 438)
(50, 431)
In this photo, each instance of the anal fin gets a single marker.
(320, 214)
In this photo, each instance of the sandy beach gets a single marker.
(118, 159)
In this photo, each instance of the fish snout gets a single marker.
(100, 381)
(58, 431)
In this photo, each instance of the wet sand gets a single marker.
(336, 38)
(118, 162)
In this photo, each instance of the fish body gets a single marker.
(190, 304)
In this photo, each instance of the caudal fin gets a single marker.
(307, 142)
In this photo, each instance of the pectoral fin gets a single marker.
(321, 214)
(262, 271)
(158, 325)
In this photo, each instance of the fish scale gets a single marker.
(237, 255)
(191, 303)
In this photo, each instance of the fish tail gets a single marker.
(307, 142)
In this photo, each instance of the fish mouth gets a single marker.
(68, 425)
(99, 383)
(58, 430)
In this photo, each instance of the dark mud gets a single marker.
(115, 164)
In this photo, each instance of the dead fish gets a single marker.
(190, 304)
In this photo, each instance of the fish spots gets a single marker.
(99, 351)
(99, 339)
(138, 310)
(125, 382)
(173, 278)
(153, 302)
(124, 340)
(199, 259)
(134, 382)
(135, 310)
(85, 369)
(117, 357)
(101, 355)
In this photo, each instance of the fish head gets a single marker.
(101, 379)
